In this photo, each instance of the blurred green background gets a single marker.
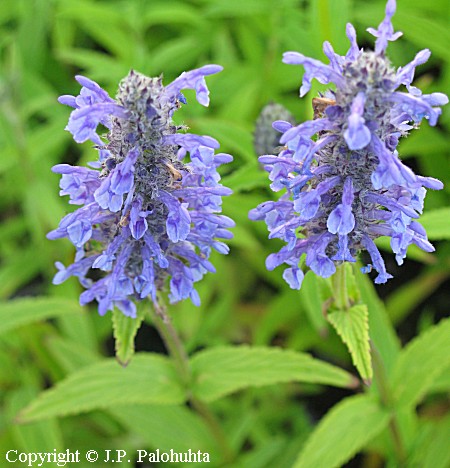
(43, 44)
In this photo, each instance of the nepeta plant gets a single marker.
(147, 216)
(347, 186)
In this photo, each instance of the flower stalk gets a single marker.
(340, 290)
(176, 350)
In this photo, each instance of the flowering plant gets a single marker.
(147, 215)
(347, 186)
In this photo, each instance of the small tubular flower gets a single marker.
(150, 214)
(342, 180)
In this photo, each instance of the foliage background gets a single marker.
(44, 334)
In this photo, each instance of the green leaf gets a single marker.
(100, 67)
(224, 370)
(352, 326)
(441, 384)
(266, 454)
(174, 12)
(84, 11)
(431, 446)
(419, 363)
(125, 329)
(78, 327)
(19, 312)
(70, 355)
(149, 378)
(182, 51)
(167, 427)
(35, 437)
(436, 223)
(343, 432)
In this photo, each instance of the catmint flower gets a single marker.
(347, 186)
(149, 212)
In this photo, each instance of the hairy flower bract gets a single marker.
(342, 180)
(148, 216)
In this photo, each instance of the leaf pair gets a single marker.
(152, 379)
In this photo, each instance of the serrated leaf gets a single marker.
(419, 363)
(19, 312)
(124, 330)
(352, 326)
(343, 432)
(149, 378)
(224, 370)
(436, 223)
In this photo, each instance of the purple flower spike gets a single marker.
(343, 184)
(149, 208)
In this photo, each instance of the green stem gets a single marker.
(175, 347)
(340, 291)
(172, 341)
(380, 378)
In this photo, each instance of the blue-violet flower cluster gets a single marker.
(147, 216)
(347, 186)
